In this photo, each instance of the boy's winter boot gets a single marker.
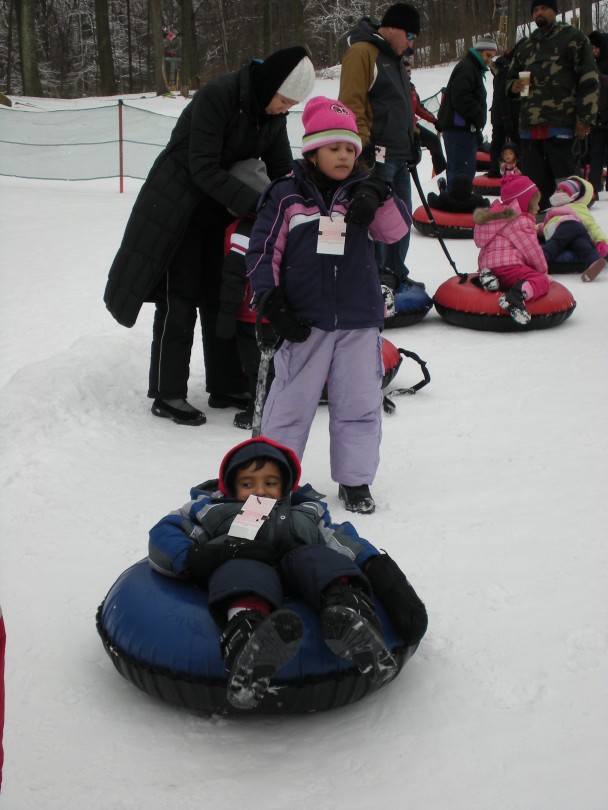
(179, 411)
(513, 302)
(352, 630)
(593, 270)
(254, 646)
(357, 499)
(244, 419)
(488, 280)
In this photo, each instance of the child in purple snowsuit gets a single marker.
(325, 299)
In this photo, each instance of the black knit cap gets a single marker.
(549, 3)
(270, 74)
(402, 15)
(597, 39)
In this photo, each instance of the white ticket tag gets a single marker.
(331, 235)
(380, 154)
(251, 517)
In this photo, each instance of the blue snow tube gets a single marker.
(411, 305)
(160, 636)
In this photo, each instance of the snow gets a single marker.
(491, 496)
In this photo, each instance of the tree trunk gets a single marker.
(26, 26)
(586, 21)
(158, 50)
(267, 27)
(299, 37)
(188, 47)
(107, 76)
(9, 49)
(129, 46)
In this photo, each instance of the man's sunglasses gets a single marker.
(410, 37)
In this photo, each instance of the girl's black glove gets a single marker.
(368, 197)
(284, 322)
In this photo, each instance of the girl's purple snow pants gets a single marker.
(351, 363)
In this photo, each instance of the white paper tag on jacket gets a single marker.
(332, 232)
(380, 154)
(250, 519)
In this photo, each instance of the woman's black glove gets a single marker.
(284, 322)
(203, 559)
(368, 197)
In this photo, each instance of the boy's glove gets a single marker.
(390, 586)
(284, 322)
(203, 559)
(602, 249)
(368, 197)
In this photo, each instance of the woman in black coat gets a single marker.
(173, 247)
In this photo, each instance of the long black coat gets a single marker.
(222, 125)
(464, 102)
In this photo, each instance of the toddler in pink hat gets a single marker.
(510, 256)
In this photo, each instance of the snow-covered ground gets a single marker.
(491, 495)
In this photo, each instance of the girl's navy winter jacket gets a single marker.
(332, 292)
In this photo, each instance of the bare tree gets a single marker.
(188, 70)
(586, 16)
(156, 33)
(26, 26)
(107, 77)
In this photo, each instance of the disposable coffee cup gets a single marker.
(524, 76)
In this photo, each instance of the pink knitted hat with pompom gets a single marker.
(517, 187)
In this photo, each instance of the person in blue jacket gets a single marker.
(313, 272)
(252, 535)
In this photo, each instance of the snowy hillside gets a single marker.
(491, 495)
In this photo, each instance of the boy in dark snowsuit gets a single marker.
(259, 535)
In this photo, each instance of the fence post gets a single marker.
(120, 146)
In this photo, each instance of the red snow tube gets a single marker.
(449, 226)
(488, 186)
(482, 161)
(462, 301)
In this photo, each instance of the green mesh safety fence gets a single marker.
(82, 144)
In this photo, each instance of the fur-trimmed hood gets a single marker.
(483, 215)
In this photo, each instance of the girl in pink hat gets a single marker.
(313, 272)
(510, 256)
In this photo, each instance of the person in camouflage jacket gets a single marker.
(562, 103)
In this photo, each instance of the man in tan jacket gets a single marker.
(375, 86)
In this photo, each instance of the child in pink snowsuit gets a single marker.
(313, 272)
(510, 256)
